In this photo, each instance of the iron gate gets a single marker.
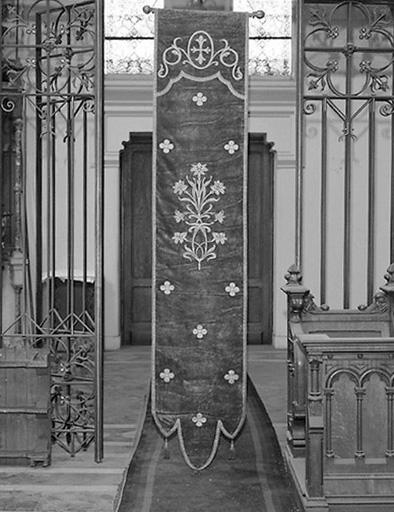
(51, 115)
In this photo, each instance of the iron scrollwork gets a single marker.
(48, 55)
(326, 28)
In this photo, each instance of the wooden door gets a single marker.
(136, 238)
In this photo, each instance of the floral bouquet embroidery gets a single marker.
(198, 196)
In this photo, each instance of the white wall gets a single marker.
(128, 108)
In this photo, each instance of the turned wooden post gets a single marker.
(297, 294)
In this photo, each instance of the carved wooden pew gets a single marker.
(305, 317)
(341, 396)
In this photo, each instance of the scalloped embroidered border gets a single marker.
(218, 75)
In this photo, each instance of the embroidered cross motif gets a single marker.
(199, 419)
(199, 331)
(200, 49)
(167, 287)
(231, 377)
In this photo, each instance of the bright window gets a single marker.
(129, 36)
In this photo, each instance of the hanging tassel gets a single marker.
(166, 451)
(232, 450)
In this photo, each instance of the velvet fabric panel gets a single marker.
(199, 231)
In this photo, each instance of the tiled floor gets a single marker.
(79, 484)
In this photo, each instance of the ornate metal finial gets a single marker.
(258, 14)
(147, 9)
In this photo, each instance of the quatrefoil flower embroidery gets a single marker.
(167, 375)
(199, 99)
(231, 147)
(167, 287)
(199, 419)
(166, 146)
(200, 331)
(231, 377)
(232, 289)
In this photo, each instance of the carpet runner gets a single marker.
(199, 229)
(252, 479)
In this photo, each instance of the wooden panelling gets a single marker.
(25, 409)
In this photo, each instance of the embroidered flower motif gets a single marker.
(231, 376)
(179, 238)
(199, 419)
(166, 146)
(219, 238)
(219, 216)
(179, 216)
(218, 187)
(199, 169)
(167, 287)
(180, 187)
(232, 289)
(231, 147)
(198, 194)
(199, 331)
(199, 99)
(167, 375)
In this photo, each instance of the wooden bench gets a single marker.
(305, 317)
(341, 398)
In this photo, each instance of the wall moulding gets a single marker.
(129, 106)
(128, 92)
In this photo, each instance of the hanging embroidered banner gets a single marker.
(199, 229)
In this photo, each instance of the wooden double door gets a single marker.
(136, 238)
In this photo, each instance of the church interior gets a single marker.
(147, 361)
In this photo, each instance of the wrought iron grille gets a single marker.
(51, 175)
(345, 145)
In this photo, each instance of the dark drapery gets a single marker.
(199, 229)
